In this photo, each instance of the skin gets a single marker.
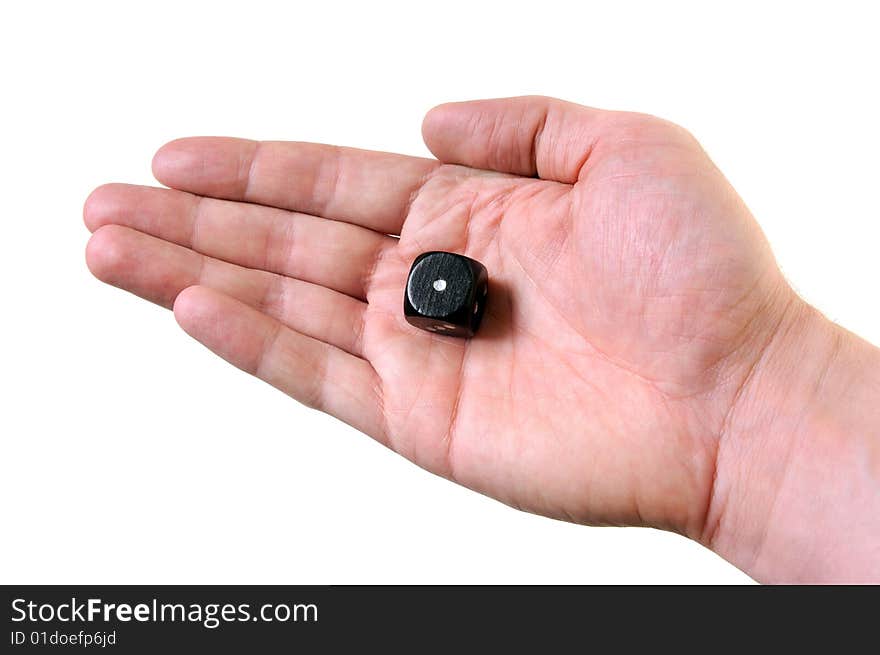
(642, 360)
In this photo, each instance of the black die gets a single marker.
(446, 293)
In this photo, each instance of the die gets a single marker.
(446, 293)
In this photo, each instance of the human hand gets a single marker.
(632, 299)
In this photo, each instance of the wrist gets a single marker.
(796, 495)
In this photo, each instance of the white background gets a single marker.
(131, 454)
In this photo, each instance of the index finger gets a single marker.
(368, 188)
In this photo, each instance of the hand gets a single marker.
(632, 298)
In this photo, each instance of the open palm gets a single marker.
(629, 292)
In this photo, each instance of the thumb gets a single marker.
(530, 135)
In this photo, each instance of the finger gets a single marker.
(372, 189)
(158, 271)
(314, 373)
(533, 136)
(330, 253)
